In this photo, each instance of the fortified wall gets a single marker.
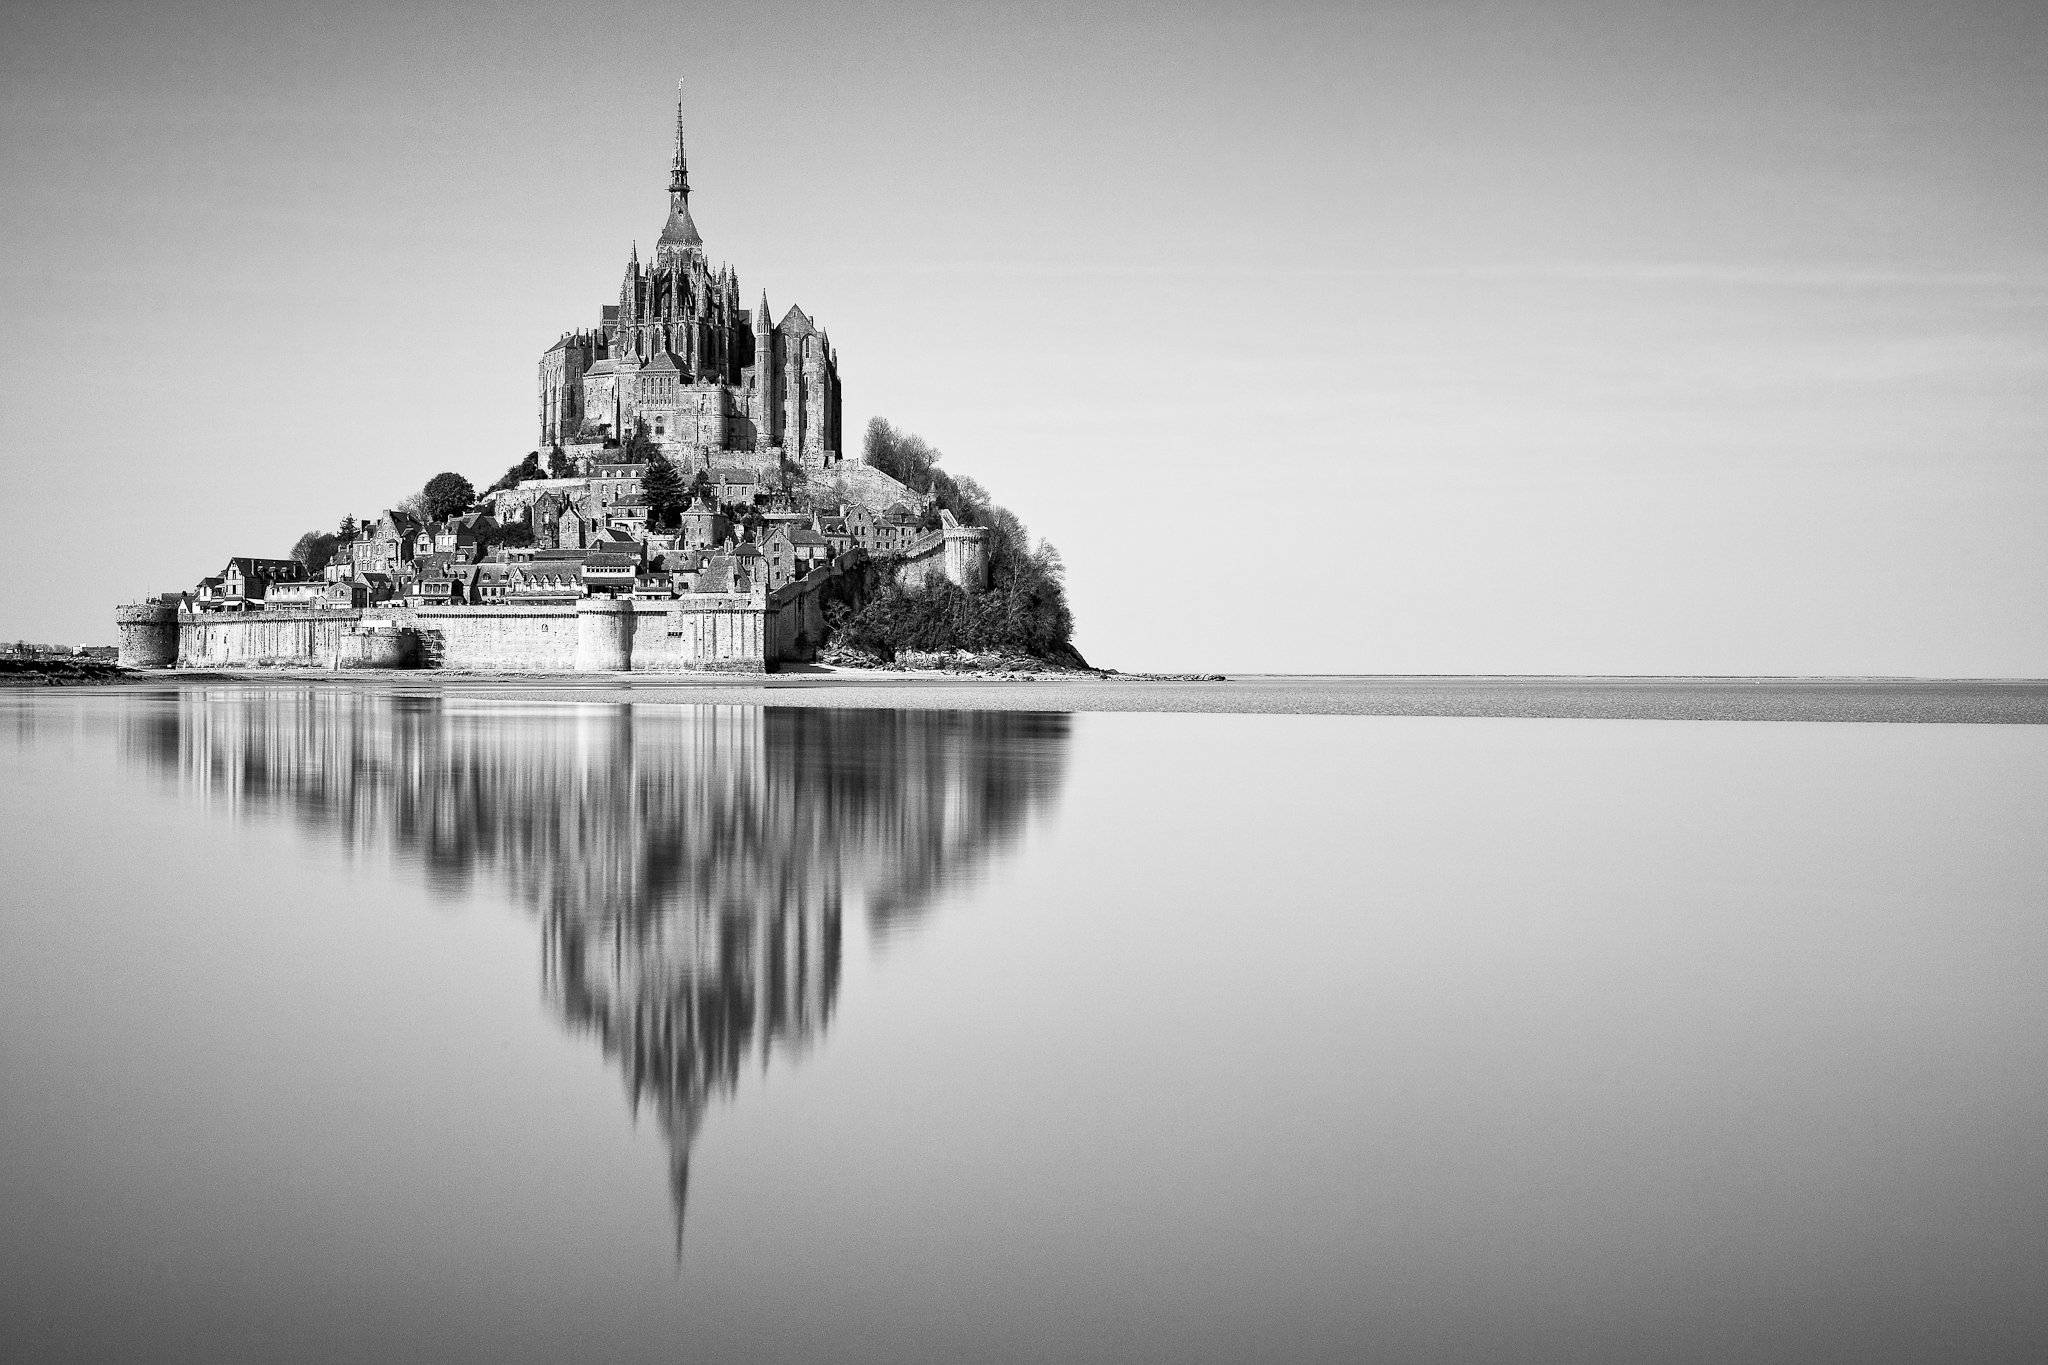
(952, 551)
(697, 633)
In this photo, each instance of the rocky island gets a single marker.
(687, 507)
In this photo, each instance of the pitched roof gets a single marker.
(794, 323)
(679, 230)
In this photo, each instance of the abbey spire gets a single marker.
(679, 234)
(679, 169)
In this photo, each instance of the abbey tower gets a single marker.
(679, 352)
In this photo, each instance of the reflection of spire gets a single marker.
(689, 865)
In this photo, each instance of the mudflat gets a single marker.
(1966, 701)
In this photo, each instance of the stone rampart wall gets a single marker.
(300, 637)
(699, 632)
(514, 639)
(796, 611)
(703, 632)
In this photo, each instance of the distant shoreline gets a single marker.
(1870, 700)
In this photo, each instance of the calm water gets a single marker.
(343, 1024)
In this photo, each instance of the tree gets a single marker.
(664, 490)
(559, 465)
(528, 468)
(348, 529)
(313, 550)
(638, 447)
(447, 495)
(904, 457)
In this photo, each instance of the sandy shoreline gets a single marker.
(1870, 700)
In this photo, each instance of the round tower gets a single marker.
(604, 635)
(149, 635)
(967, 555)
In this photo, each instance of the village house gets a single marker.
(611, 480)
(629, 514)
(307, 593)
(894, 530)
(547, 580)
(832, 526)
(355, 593)
(608, 572)
(491, 582)
(385, 546)
(733, 487)
(791, 552)
(245, 582)
(703, 525)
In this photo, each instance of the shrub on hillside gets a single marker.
(1025, 607)
(1023, 613)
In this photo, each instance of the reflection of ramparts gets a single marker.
(689, 865)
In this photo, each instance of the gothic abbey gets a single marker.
(713, 383)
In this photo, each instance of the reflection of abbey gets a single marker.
(691, 869)
(687, 509)
(714, 381)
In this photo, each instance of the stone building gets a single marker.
(679, 352)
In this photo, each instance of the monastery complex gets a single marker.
(688, 507)
(712, 381)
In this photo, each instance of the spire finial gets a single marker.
(679, 171)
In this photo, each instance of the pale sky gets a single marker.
(1427, 337)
